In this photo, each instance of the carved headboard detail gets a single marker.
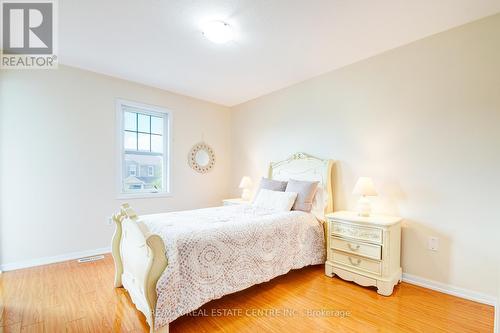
(302, 166)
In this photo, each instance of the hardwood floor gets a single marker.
(73, 297)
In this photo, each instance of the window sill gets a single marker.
(122, 196)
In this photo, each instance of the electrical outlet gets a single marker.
(110, 221)
(433, 243)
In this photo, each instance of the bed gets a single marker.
(172, 263)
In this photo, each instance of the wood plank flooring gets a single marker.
(73, 297)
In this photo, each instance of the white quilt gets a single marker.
(217, 251)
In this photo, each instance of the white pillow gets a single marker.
(277, 200)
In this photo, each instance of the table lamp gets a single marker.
(365, 188)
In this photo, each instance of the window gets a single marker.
(144, 148)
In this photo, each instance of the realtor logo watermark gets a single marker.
(29, 34)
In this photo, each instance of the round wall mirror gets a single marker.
(201, 158)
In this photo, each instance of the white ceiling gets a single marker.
(279, 42)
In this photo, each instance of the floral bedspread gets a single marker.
(216, 251)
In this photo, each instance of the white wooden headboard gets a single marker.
(302, 166)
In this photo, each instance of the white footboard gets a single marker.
(140, 260)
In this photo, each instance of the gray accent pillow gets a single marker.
(305, 190)
(273, 185)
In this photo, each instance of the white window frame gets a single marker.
(167, 135)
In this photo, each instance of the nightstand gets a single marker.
(235, 201)
(365, 250)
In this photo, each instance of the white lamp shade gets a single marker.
(245, 182)
(365, 187)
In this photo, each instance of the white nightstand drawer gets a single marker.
(358, 248)
(358, 263)
(357, 232)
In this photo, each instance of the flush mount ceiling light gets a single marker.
(217, 31)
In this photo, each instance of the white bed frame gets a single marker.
(140, 257)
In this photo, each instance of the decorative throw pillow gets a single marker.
(273, 185)
(280, 201)
(305, 193)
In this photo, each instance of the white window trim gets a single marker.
(167, 160)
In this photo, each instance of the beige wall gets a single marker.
(58, 167)
(424, 121)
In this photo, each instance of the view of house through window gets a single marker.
(144, 149)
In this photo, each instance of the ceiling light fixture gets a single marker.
(217, 31)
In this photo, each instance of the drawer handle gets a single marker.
(353, 248)
(353, 262)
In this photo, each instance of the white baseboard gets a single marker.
(450, 290)
(52, 260)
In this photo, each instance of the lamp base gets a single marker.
(364, 207)
(246, 195)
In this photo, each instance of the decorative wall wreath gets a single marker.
(201, 158)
